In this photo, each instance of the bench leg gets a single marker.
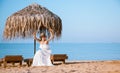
(52, 61)
(13, 63)
(20, 63)
(63, 61)
(5, 63)
(29, 64)
(0, 64)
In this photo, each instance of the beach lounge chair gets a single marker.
(28, 61)
(1, 61)
(59, 57)
(12, 59)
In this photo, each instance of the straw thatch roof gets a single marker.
(30, 19)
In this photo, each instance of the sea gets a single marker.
(75, 51)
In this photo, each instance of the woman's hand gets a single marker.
(34, 34)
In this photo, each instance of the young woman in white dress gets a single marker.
(42, 57)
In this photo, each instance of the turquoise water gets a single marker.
(75, 51)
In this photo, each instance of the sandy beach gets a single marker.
(69, 67)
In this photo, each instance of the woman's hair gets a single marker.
(42, 35)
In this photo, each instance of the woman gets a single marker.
(42, 57)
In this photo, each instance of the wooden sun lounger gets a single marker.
(1, 61)
(58, 57)
(12, 59)
(28, 61)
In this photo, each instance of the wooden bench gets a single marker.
(1, 61)
(12, 59)
(28, 61)
(58, 57)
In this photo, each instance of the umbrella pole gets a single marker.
(34, 46)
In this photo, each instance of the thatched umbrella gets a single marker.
(31, 19)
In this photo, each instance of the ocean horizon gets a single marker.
(75, 51)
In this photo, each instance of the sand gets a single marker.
(69, 67)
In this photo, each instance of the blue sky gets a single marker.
(84, 21)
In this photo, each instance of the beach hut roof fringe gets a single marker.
(30, 19)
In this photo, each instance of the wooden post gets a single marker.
(34, 46)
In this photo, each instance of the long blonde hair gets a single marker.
(42, 35)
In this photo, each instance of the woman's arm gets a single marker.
(34, 34)
(51, 35)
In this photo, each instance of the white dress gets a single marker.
(42, 57)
